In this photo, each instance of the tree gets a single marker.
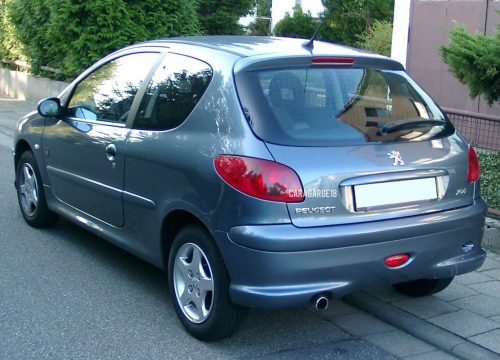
(261, 25)
(346, 20)
(220, 17)
(300, 25)
(475, 62)
(378, 38)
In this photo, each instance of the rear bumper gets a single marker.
(284, 266)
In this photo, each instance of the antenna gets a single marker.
(309, 45)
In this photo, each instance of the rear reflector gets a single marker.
(263, 179)
(397, 260)
(473, 166)
(333, 61)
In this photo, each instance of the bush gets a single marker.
(489, 163)
(71, 34)
(378, 38)
(475, 61)
(300, 25)
(259, 27)
(346, 20)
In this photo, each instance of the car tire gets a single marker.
(423, 287)
(199, 286)
(30, 193)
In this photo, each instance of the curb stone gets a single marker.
(430, 333)
(494, 213)
(491, 239)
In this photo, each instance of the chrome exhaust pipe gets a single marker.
(320, 303)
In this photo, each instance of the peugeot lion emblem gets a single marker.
(397, 158)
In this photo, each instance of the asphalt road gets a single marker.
(65, 293)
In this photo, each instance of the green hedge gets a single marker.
(10, 47)
(220, 17)
(489, 164)
(71, 34)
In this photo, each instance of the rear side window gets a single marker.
(175, 89)
(331, 106)
(108, 92)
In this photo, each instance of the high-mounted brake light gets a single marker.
(332, 61)
(263, 179)
(472, 166)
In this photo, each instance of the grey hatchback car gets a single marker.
(257, 172)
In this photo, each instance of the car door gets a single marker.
(156, 173)
(84, 150)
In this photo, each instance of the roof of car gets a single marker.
(259, 45)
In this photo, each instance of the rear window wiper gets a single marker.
(388, 128)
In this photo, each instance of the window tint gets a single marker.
(108, 92)
(332, 106)
(174, 91)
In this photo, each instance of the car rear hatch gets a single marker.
(367, 143)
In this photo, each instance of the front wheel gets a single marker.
(423, 287)
(30, 193)
(199, 286)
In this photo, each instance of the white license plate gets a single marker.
(394, 192)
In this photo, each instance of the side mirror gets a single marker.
(49, 107)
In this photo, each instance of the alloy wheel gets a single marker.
(193, 283)
(28, 189)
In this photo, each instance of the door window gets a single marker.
(174, 91)
(108, 92)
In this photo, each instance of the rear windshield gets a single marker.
(331, 106)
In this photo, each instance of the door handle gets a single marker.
(110, 152)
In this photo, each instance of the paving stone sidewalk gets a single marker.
(463, 319)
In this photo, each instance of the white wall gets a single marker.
(401, 30)
(23, 86)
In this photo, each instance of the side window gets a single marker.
(174, 91)
(108, 92)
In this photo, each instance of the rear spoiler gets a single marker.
(355, 62)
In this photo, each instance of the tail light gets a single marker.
(473, 166)
(263, 179)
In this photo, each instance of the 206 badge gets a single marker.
(398, 160)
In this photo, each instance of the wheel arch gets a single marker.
(172, 224)
(21, 146)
